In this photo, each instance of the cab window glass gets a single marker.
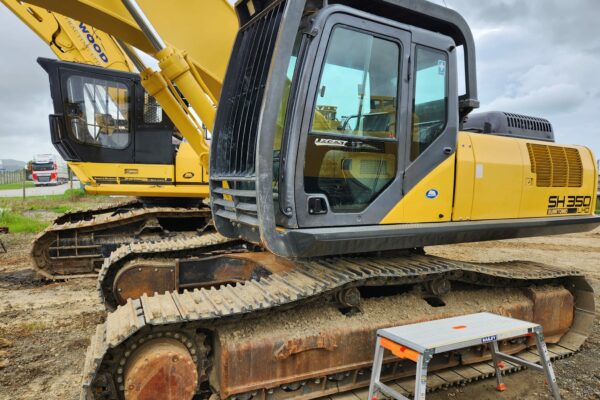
(351, 153)
(430, 101)
(282, 114)
(359, 85)
(98, 111)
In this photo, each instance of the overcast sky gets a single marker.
(535, 57)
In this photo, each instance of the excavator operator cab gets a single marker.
(326, 131)
(105, 116)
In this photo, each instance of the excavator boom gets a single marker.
(70, 39)
(208, 45)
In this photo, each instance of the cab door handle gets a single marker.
(448, 150)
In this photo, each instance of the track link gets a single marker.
(171, 249)
(182, 315)
(90, 213)
(77, 244)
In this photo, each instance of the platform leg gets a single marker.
(546, 363)
(376, 370)
(421, 378)
(500, 386)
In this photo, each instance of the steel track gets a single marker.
(171, 249)
(181, 315)
(82, 250)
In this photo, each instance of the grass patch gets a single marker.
(35, 213)
(18, 185)
(18, 223)
(33, 326)
(26, 329)
(61, 209)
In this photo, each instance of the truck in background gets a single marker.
(47, 169)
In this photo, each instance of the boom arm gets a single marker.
(71, 40)
(205, 29)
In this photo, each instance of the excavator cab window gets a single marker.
(430, 101)
(98, 111)
(352, 146)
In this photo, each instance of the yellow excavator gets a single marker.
(341, 147)
(153, 163)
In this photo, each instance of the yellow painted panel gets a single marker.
(536, 200)
(180, 24)
(504, 185)
(465, 178)
(422, 204)
(89, 172)
(499, 177)
(187, 166)
(195, 191)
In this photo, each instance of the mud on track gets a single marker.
(45, 328)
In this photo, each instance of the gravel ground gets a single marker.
(45, 328)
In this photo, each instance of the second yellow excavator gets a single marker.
(141, 155)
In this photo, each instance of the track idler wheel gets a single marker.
(161, 369)
(439, 287)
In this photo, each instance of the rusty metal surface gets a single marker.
(246, 365)
(161, 369)
(150, 276)
(145, 277)
(553, 310)
(189, 313)
(142, 253)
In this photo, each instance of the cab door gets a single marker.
(350, 163)
(433, 123)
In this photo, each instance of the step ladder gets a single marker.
(420, 342)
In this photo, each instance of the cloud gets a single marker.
(539, 57)
(24, 91)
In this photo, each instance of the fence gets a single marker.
(12, 177)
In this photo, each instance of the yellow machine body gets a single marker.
(495, 177)
(75, 41)
(186, 178)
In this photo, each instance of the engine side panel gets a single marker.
(500, 178)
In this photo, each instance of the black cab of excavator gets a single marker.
(106, 116)
(330, 112)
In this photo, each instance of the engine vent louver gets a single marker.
(555, 166)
